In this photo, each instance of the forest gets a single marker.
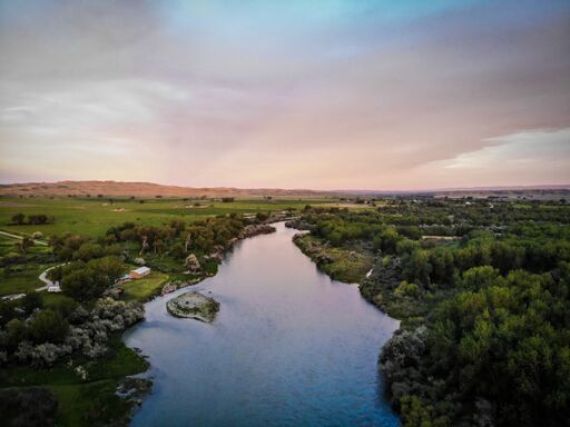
(482, 288)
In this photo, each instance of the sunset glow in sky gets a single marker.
(293, 94)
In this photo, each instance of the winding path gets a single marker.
(17, 236)
(42, 277)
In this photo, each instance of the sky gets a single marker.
(330, 94)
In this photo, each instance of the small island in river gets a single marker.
(193, 305)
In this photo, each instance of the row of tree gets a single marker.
(486, 336)
(40, 219)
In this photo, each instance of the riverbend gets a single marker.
(289, 346)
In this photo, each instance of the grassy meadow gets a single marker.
(91, 400)
(93, 216)
(145, 288)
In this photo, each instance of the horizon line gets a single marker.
(350, 191)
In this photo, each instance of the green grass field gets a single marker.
(92, 217)
(20, 278)
(346, 265)
(83, 402)
(145, 288)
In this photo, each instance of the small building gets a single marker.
(55, 288)
(139, 273)
(123, 279)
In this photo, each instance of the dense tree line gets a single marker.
(483, 289)
(90, 267)
(178, 238)
(41, 219)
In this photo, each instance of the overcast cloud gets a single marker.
(324, 94)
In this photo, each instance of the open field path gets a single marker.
(16, 236)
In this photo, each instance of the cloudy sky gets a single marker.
(297, 94)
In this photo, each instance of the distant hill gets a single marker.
(143, 189)
(148, 189)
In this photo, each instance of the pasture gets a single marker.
(92, 217)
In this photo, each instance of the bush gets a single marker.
(28, 407)
(18, 219)
(31, 301)
(406, 289)
(48, 326)
(89, 251)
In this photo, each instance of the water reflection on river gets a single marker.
(289, 347)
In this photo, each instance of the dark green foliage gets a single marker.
(7, 312)
(485, 306)
(38, 219)
(88, 251)
(24, 244)
(65, 247)
(87, 281)
(16, 331)
(31, 301)
(18, 219)
(41, 219)
(507, 343)
(47, 326)
(27, 407)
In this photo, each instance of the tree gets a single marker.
(478, 278)
(178, 226)
(25, 244)
(261, 216)
(418, 267)
(18, 219)
(84, 284)
(38, 219)
(31, 301)
(109, 267)
(48, 326)
(88, 251)
(16, 330)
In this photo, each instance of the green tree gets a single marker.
(48, 326)
(89, 251)
(84, 284)
(418, 267)
(25, 244)
(18, 219)
(31, 301)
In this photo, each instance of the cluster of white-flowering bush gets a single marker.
(90, 336)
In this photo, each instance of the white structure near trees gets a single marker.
(139, 273)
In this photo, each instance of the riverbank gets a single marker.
(257, 363)
(87, 371)
(358, 265)
(341, 264)
(84, 389)
(477, 309)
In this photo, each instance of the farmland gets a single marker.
(93, 216)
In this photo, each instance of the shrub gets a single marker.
(29, 407)
(48, 326)
(406, 289)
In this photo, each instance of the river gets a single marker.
(289, 347)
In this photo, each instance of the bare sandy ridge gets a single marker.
(148, 189)
(141, 189)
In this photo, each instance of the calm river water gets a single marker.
(290, 347)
